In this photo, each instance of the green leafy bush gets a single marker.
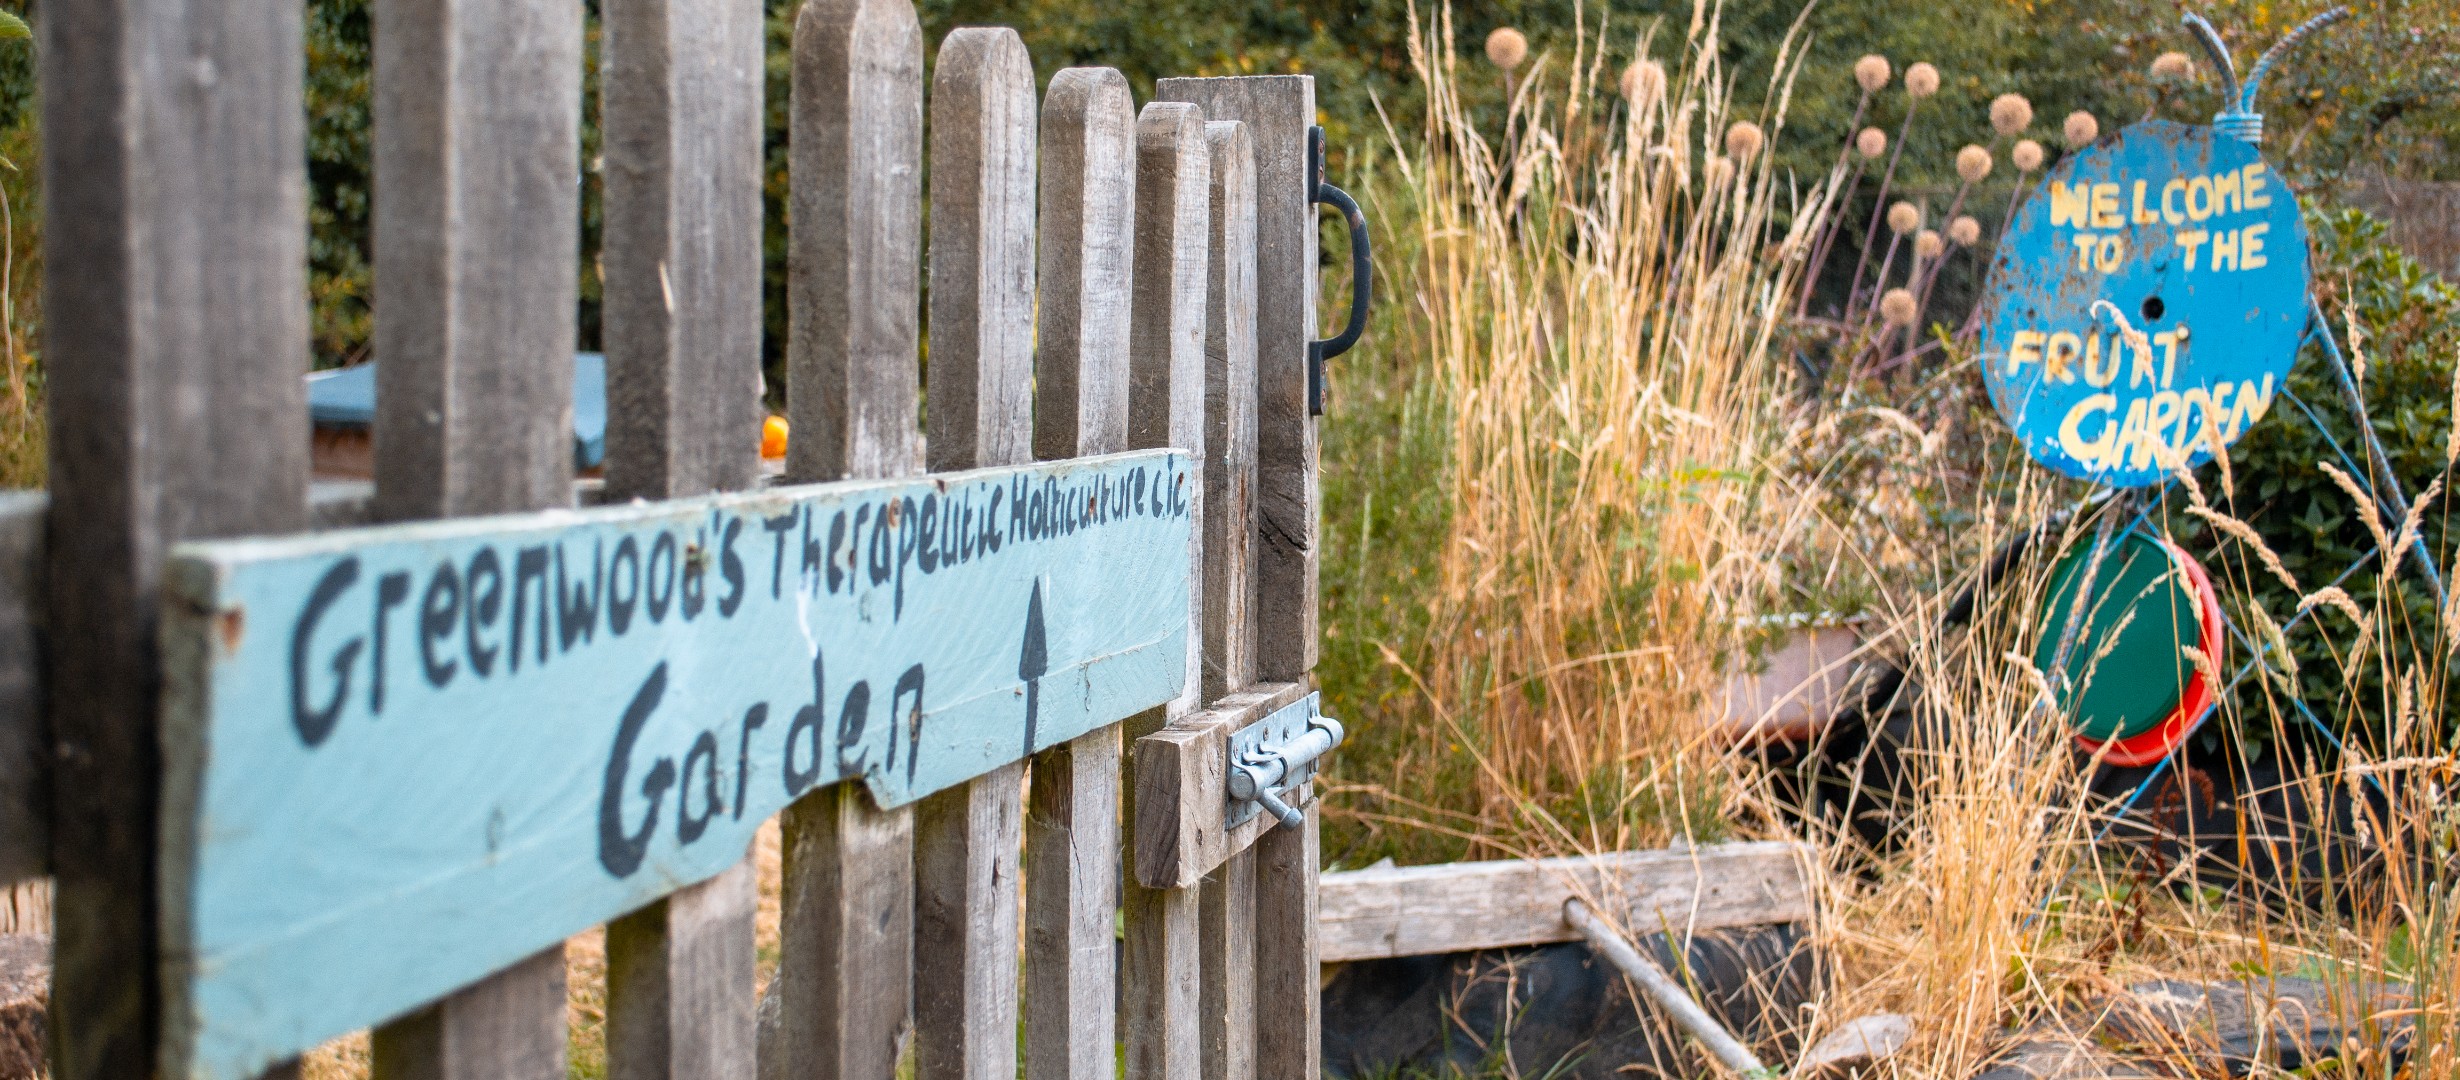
(2407, 323)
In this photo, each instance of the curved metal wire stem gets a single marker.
(2263, 65)
(2210, 39)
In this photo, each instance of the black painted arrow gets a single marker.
(1033, 663)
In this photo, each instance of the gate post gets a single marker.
(1278, 111)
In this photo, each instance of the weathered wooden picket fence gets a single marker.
(251, 854)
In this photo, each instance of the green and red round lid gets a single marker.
(2130, 690)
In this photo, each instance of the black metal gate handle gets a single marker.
(1362, 273)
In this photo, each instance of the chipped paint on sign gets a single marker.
(2146, 305)
(401, 758)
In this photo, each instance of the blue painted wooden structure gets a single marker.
(459, 742)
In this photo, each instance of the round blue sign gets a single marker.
(2146, 305)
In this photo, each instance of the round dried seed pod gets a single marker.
(2010, 113)
(2173, 67)
(1871, 143)
(1921, 80)
(1743, 141)
(1965, 230)
(1928, 243)
(2027, 155)
(1872, 72)
(1896, 307)
(1973, 164)
(1507, 47)
(1904, 217)
(2081, 129)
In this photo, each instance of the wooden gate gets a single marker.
(1102, 281)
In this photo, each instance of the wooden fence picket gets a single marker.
(1278, 110)
(1161, 970)
(846, 952)
(1228, 896)
(478, 122)
(1087, 236)
(681, 116)
(175, 337)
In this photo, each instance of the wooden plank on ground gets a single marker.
(175, 335)
(681, 102)
(1278, 110)
(1087, 220)
(968, 839)
(1454, 907)
(846, 950)
(1161, 973)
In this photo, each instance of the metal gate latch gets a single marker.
(1273, 757)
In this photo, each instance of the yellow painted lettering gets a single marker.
(2059, 360)
(2084, 250)
(2069, 204)
(2139, 214)
(2191, 239)
(2251, 246)
(2174, 202)
(2109, 253)
(2251, 179)
(2253, 403)
(2194, 421)
(2225, 250)
(2225, 195)
(2223, 417)
(2088, 452)
(2105, 207)
(2024, 349)
(2168, 342)
(2131, 438)
(2199, 198)
(2096, 372)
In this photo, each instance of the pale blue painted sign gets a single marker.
(402, 758)
(2146, 305)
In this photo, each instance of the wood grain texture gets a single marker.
(1454, 907)
(1228, 947)
(175, 335)
(1160, 965)
(1161, 970)
(25, 772)
(846, 935)
(844, 978)
(854, 267)
(1289, 1022)
(982, 250)
(1086, 237)
(968, 840)
(966, 844)
(1166, 314)
(1278, 110)
(478, 120)
(1182, 789)
(1230, 414)
(509, 1027)
(1087, 213)
(679, 983)
(681, 107)
(681, 101)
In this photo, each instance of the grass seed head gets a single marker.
(1965, 230)
(1921, 80)
(2081, 129)
(1973, 164)
(2173, 67)
(1643, 83)
(2010, 113)
(1904, 217)
(1743, 141)
(1927, 244)
(1507, 47)
(1872, 72)
(1896, 307)
(2027, 155)
(1871, 143)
